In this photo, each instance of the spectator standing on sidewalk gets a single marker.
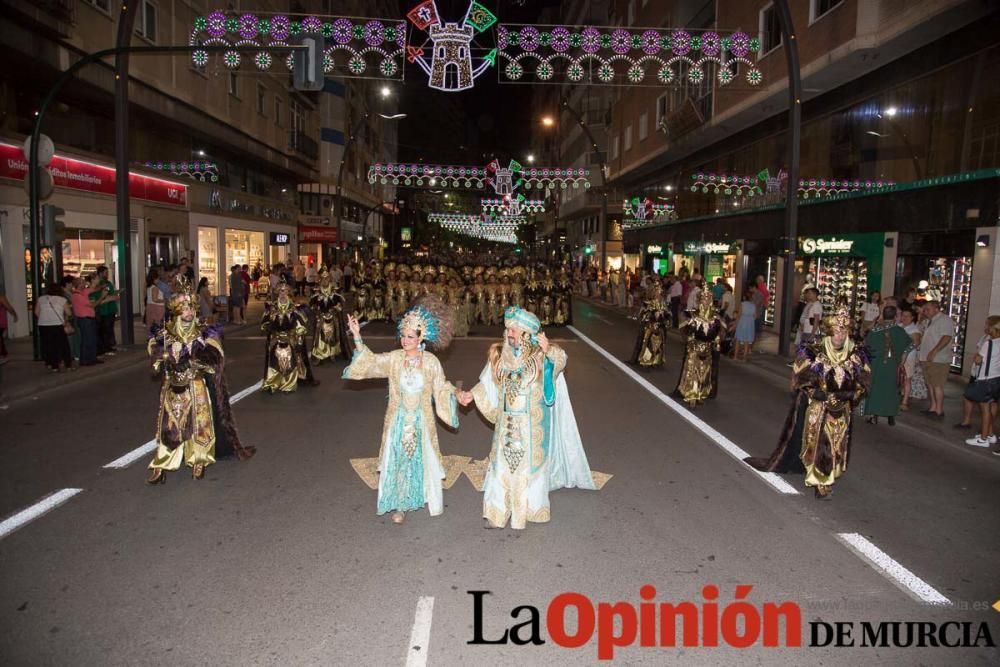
(105, 299)
(299, 273)
(337, 277)
(887, 343)
(245, 274)
(155, 303)
(236, 313)
(72, 331)
(206, 302)
(811, 317)
(674, 294)
(312, 277)
(761, 300)
(870, 312)
(913, 384)
(935, 356)
(727, 303)
(5, 308)
(274, 277)
(348, 277)
(86, 322)
(746, 315)
(984, 390)
(53, 312)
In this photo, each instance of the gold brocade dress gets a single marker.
(816, 438)
(409, 462)
(328, 341)
(185, 429)
(700, 371)
(287, 355)
(652, 338)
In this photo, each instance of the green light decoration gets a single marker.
(199, 58)
(356, 65)
(263, 60)
(696, 76)
(231, 59)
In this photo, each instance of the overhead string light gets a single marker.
(741, 185)
(501, 229)
(197, 170)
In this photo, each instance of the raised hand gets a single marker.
(353, 326)
(543, 341)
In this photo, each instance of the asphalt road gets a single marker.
(282, 559)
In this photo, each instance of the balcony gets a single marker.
(303, 144)
(58, 16)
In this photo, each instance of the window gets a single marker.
(643, 126)
(770, 30)
(103, 5)
(631, 12)
(277, 111)
(661, 110)
(614, 147)
(298, 116)
(145, 22)
(628, 139)
(261, 98)
(234, 85)
(819, 8)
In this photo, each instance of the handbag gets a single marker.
(67, 327)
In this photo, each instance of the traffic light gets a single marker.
(308, 71)
(53, 228)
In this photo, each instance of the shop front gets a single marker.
(843, 267)
(656, 258)
(315, 243)
(938, 267)
(223, 242)
(709, 258)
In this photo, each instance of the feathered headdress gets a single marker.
(431, 317)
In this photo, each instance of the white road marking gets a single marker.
(884, 563)
(603, 319)
(141, 451)
(731, 448)
(46, 504)
(420, 635)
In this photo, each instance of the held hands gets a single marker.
(464, 398)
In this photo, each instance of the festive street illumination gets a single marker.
(503, 180)
(501, 229)
(728, 184)
(352, 44)
(194, 169)
(450, 68)
(642, 212)
(513, 205)
(615, 55)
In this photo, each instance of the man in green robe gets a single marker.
(887, 343)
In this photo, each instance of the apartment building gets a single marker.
(257, 134)
(896, 101)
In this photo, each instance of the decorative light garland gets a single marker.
(615, 55)
(450, 68)
(501, 229)
(197, 170)
(643, 213)
(513, 205)
(361, 41)
(729, 184)
(501, 179)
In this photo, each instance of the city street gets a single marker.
(283, 560)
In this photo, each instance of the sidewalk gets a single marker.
(22, 377)
(765, 357)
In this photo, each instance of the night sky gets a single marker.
(496, 118)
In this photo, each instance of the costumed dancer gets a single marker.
(459, 306)
(195, 423)
(287, 357)
(327, 305)
(536, 443)
(654, 320)
(409, 460)
(829, 377)
(362, 292)
(704, 328)
(564, 299)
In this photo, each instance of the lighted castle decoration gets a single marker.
(643, 212)
(450, 68)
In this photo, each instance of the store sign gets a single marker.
(312, 234)
(832, 246)
(654, 249)
(280, 238)
(405, 233)
(232, 204)
(90, 177)
(694, 248)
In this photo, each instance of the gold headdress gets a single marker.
(839, 319)
(706, 306)
(183, 295)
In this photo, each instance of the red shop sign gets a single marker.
(90, 177)
(317, 234)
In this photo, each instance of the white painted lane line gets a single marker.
(141, 451)
(46, 504)
(420, 635)
(239, 396)
(727, 445)
(884, 563)
(603, 319)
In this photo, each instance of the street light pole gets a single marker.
(791, 195)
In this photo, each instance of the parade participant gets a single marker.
(829, 377)
(479, 296)
(563, 299)
(377, 309)
(287, 357)
(195, 422)
(536, 444)
(532, 292)
(653, 322)
(409, 460)
(888, 345)
(362, 293)
(459, 306)
(699, 379)
(327, 305)
(546, 305)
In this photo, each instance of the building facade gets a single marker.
(895, 96)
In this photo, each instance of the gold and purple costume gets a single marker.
(287, 355)
(700, 370)
(654, 319)
(327, 306)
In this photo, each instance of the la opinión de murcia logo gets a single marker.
(738, 623)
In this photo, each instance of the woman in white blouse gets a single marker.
(54, 313)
